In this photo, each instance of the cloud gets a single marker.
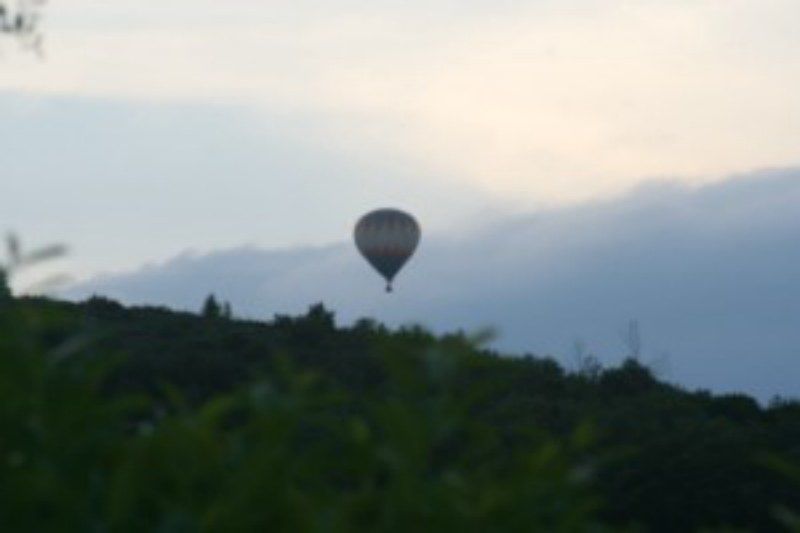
(551, 101)
(123, 183)
(710, 273)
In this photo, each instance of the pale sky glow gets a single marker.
(559, 103)
(537, 103)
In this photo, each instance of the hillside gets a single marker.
(139, 419)
(709, 273)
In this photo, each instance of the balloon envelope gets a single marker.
(387, 239)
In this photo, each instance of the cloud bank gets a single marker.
(710, 273)
(124, 183)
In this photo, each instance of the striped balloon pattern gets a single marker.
(387, 238)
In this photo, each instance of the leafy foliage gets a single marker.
(145, 419)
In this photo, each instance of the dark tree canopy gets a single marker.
(361, 424)
(5, 290)
(211, 307)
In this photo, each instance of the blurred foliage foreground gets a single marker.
(119, 419)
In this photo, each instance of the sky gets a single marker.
(709, 273)
(161, 130)
(459, 111)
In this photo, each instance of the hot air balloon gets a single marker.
(387, 239)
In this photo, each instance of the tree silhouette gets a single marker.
(5, 290)
(211, 307)
(320, 316)
(633, 340)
